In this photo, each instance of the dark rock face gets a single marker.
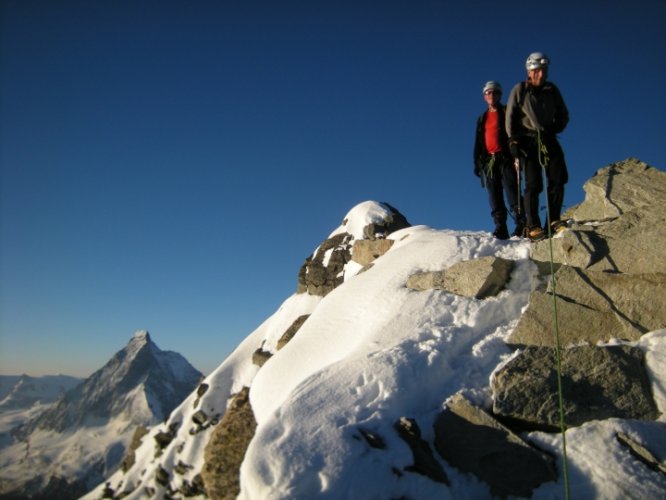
(474, 442)
(323, 271)
(424, 461)
(597, 383)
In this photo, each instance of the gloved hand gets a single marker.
(515, 149)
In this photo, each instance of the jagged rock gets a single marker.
(424, 461)
(594, 306)
(201, 390)
(392, 221)
(597, 383)
(471, 440)
(164, 438)
(323, 271)
(291, 331)
(640, 452)
(194, 489)
(162, 476)
(366, 251)
(626, 204)
(622, 187)
(200, 418)
(226, 448)
(259, 357)
(181, 468)
(479, 278)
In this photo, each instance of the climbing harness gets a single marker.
(543, 161)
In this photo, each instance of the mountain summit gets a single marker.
(140, 384)
(82, 437)
(418, 363)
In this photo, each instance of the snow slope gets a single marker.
(373, 351)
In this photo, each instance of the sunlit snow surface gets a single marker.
(373, 351)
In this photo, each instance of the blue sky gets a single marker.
(169, 165)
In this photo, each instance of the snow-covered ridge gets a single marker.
(370, 352)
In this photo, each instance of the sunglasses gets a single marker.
(490, 92)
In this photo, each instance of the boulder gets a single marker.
(593, 306)
(259, 357)
(471, 440)
(365, 252)
(597, 383)
(478, 278)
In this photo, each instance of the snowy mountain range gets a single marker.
(343, 391)
(65, 448)
(21, 392)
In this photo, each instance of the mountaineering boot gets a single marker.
(501, 232)
(558, 226)
(536, 233)
(520, 229)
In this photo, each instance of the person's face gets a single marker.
(538, 76)
(492, 97)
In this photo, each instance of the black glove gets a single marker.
(515, 149)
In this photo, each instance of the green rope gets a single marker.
(491, 163)
(543, 161)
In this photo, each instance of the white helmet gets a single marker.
(492, 85)
(537, 60)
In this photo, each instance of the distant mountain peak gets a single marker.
(141, 336)
(138, 374)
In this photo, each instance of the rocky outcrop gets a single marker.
(597, 383)
(291, 331)
(226, 448)
(594, 306)
(621, 225)
(611, 278)
(609, 284)
(324, 270)
(473, 441)
(478, 278)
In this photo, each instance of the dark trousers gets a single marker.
(501, 180)
(556, 178)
